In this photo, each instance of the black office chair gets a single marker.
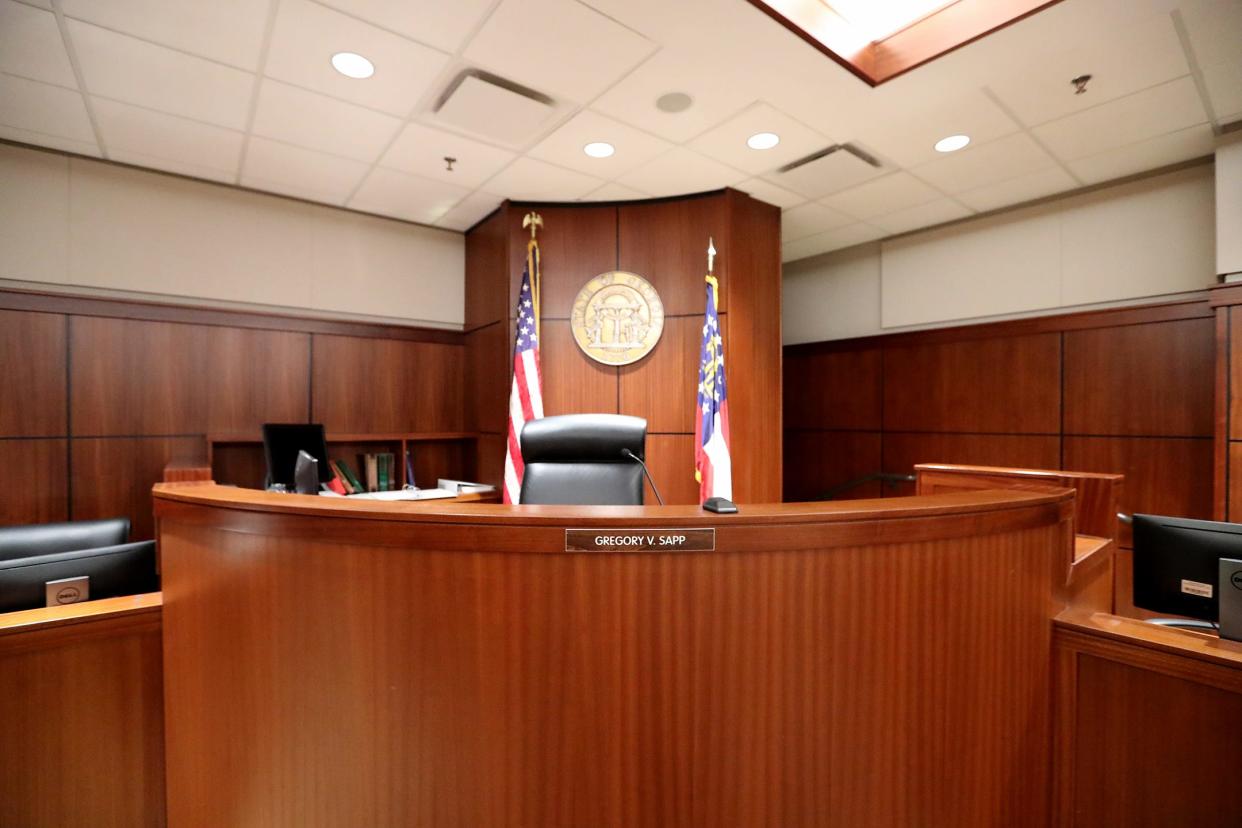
(48, 538)
(577, 459)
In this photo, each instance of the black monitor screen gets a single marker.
(1176, 564)
(126, 569)
(283, 441)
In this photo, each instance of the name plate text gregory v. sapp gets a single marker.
(640, 540)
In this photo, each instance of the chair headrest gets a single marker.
(583, 438)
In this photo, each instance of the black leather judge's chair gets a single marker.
(577, 459)
(48, 538)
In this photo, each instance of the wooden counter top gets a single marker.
(490, 514)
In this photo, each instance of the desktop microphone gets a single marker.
(627, 453)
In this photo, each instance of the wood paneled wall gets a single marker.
(665, 241)
(100, 395)
(1126, 391)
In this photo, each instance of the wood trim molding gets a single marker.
(150, 311)
(54, 626)
(1195, 308)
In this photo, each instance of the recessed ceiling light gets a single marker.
(599, 149)
(952, 144)
(352, 65)
(763, 140)
(674, 102)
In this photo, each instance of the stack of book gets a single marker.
(378, 474)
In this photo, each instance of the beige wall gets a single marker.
(1229, 206)
(1116, 245)
(73, 223)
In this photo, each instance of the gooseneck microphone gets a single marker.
(631, 455)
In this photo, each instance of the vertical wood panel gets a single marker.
(159, 378)
(32, 374)
(1164, 476)
(817, 461)
(575, 245)
(1004, 385)
(662, 386)
(666, 243)
(1153, 749)
(384, 385)
(753, 347)
(487, 378)
(670, 457)
(34, 482)
(840, 389)
(82, 733)
(903, 450)
(487, 270)
(1153, 380)
(572, 382)
(113, 476)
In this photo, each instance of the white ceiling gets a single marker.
(242, 92)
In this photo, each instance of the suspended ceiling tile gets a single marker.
(1038, 88)
(613, 191)
(528, 179)
(133, 132)
(421, 150)
(31, 45)
(1214, 28)
(318, 122)
(230, 31)
(892, 192)
(1028, 187)
(633, 147)
(727, 142)
(43, 108)
(434, 22)
(1156, 111)
(132, 71)
(712, 84)
(304, 173)
(558, 47)
(976, 166)
(469, 211)
(681, 171)
(770, 193)
(906, 131)
(810, 219)
(837, 171)
(307, 35)
(408, 197)
(1183, 145)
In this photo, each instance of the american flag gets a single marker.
(526, 393)
(713, 467)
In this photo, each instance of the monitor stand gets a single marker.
(1229, 590)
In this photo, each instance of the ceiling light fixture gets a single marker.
(952, 144)
(674, 102)
(353, 65)
(599, 149)
(763, 140)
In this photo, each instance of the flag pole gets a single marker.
(711, 261)
(533, 221)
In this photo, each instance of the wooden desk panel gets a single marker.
(81, 715)
(421, 664)
(1146, 729)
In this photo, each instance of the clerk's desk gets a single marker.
(329, 662)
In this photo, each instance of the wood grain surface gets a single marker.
(403, 666)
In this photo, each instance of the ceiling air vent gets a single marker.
(829, 170)
(494, 108)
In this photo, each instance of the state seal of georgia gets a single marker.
(617, 318)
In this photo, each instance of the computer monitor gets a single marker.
(1177, 564)
(281, 444)
(125, 569)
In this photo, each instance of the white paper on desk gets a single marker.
(405, 494)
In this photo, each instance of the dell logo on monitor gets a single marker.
(1236, 579)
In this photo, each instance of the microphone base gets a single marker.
(720, 506)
